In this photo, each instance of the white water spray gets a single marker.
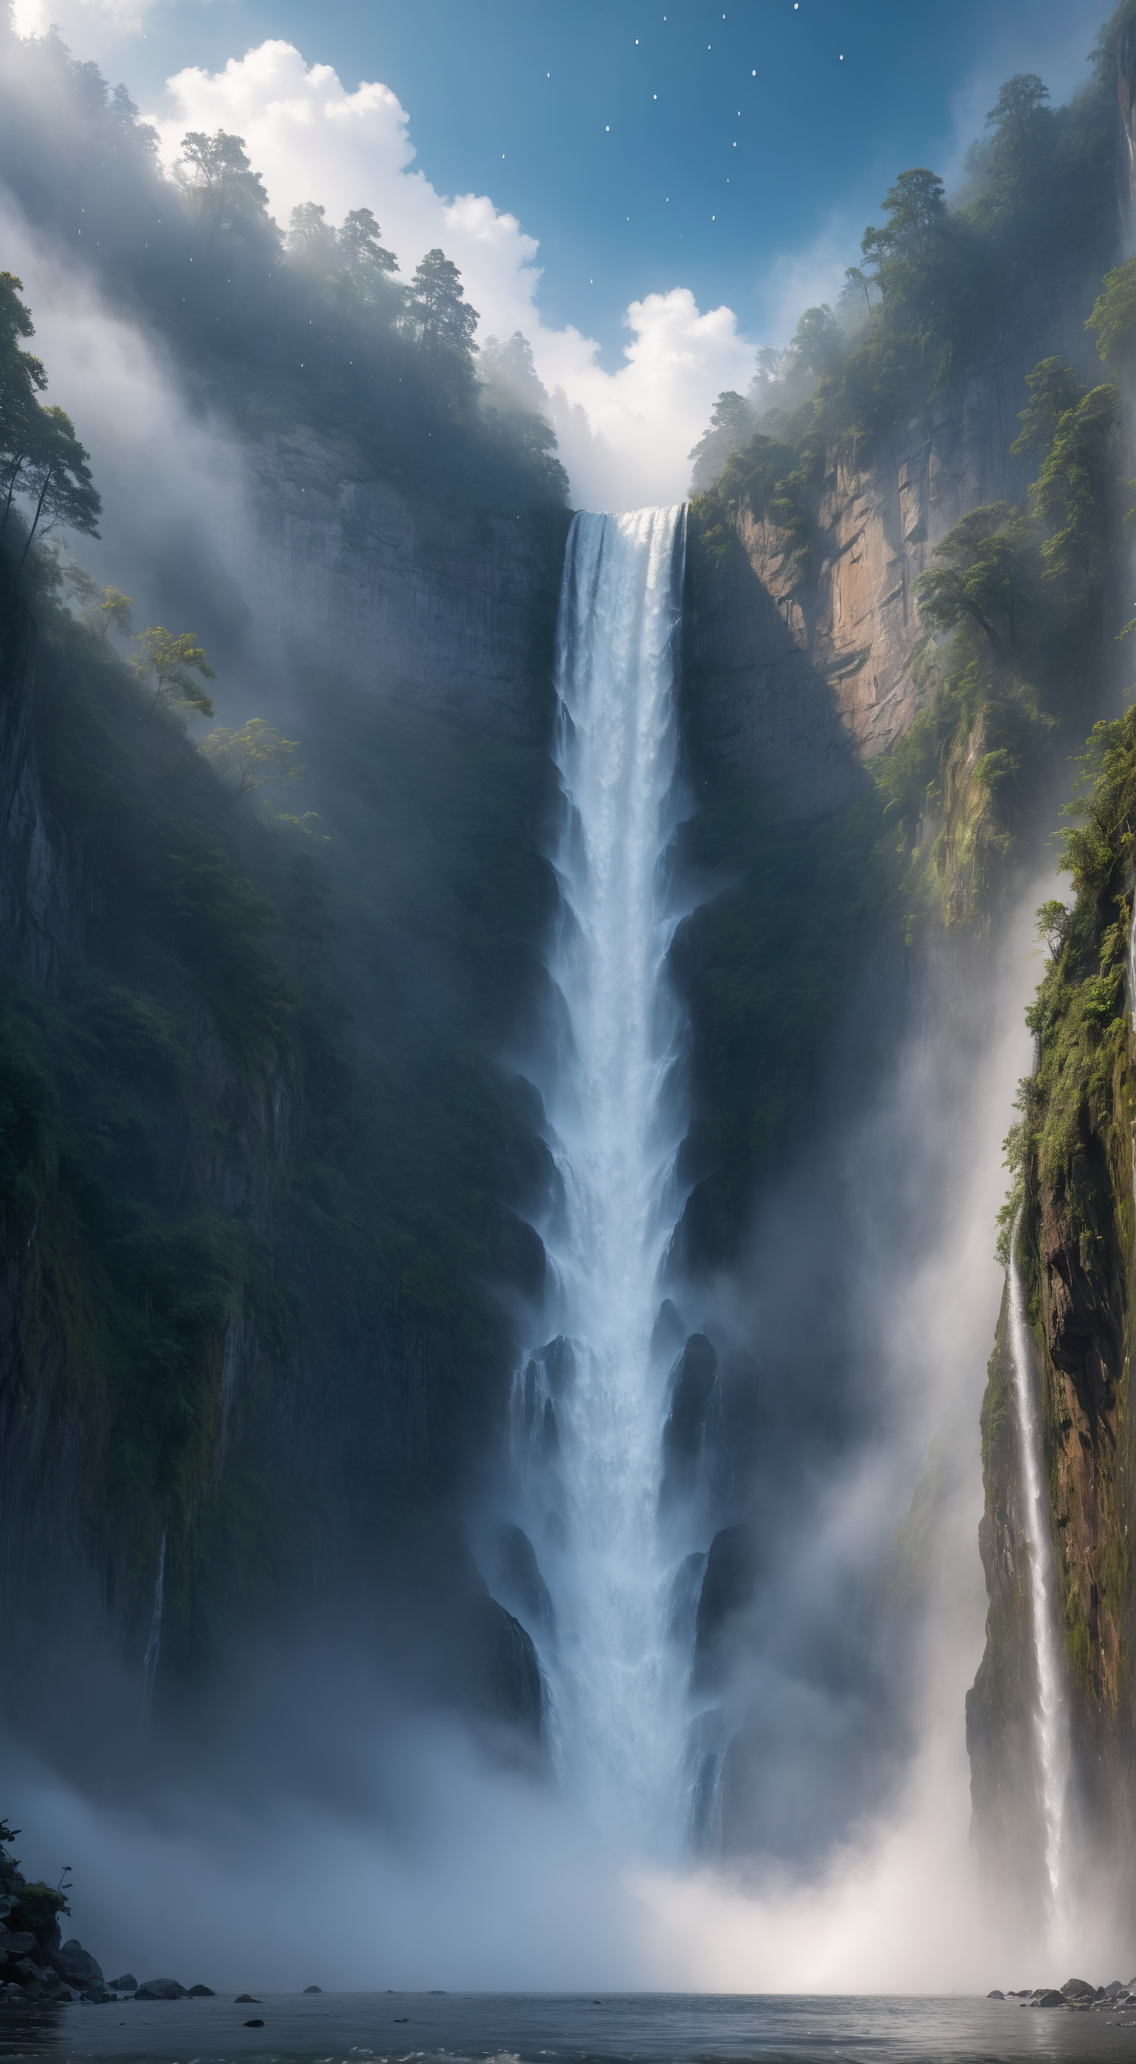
(589, 1407)
(1050, 1717)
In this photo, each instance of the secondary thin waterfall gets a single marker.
(1050, 1718)
(589, 1404)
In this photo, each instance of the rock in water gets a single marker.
(124, 1984)
(78, 1966)
(996, 1995)
(313, 1988)
(245, 1999)
(1048, 1999)
(161, 1988)
(201, 1992)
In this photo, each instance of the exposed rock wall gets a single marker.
(797, 678)
(452, 610)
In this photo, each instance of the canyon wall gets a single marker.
(798, 674)
(453, 609)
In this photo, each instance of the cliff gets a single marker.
(799, 666)
(452, 609)
(1073, 1153)
(239, 1382)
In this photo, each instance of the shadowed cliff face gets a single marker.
(453, 611)
(218, 1360)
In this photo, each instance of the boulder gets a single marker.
(245, 1999)
(161, 1988)
(22, 1943)
(1048, 1999)
(127, 1983)
(996, 1995)
(76, 1964)
(21, 1969)
(1078, 1988)
(201, 1992)
(1110, 1991)
(313, 1988)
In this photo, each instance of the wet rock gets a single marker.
(996, 1994)
(245, 1999)
(96, 1996)
(22, 1969)
(127, 1983)
(1078, 1988)
(1048, 1999)
(517, 1577)
(20, 1943)
(201, 1992)
(692, 1383)
(77, 1965)
(161, 1989)
(313, 1988)
(667, 1335)
(254, 2024)
(727, 1587)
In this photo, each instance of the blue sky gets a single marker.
(776, 127)
(649, 190)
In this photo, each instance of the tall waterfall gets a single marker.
(1050, 1716)
(589, 1404)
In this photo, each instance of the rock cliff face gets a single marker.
(453, 611)
(797, 678)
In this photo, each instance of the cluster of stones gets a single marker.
(1077, 1996)
(67, 1971)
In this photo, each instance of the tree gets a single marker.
(311, 240)
(1113, 319)
(41, 458)
(983, 580)
(167, 659)
(731, 426)
(227, 196)
(115, 610)
(368, 264)
(508, 375)
(257, 757)
(916, 206)
(438, 309)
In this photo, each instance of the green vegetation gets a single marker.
(312, 326)
(41, 459)
(1074, 1138)
(937, 283)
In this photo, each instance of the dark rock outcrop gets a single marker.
(691, 1388)
(451, 611)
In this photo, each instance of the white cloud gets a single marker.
(624, 436)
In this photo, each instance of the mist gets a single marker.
(361, 1745)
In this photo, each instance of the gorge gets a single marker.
(500, 1182)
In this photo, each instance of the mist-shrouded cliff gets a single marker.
(293, 1041)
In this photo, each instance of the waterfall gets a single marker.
(154, 1645)
(1050, 1717)
(588, 1405)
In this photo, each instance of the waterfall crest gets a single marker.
(1050, 1715)
(589, 1404)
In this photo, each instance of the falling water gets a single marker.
(588, 1406)
(154, 1645)
(1050, 1720)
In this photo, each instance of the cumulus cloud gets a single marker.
(624, 436)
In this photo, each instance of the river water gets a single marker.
(512, 2028)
